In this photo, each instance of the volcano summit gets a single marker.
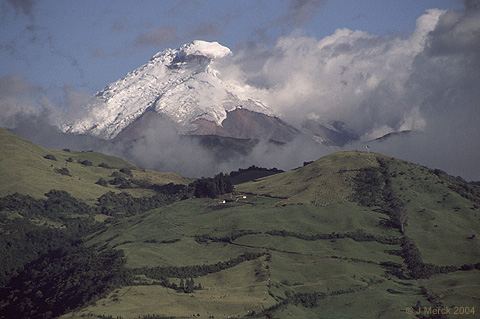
(184, 87)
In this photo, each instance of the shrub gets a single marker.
(86, 163)
(102, 182)
(50, 157)
(126, 171)
(63, 171)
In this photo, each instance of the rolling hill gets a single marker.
(327, 246)
(351, 235)
(32, 170)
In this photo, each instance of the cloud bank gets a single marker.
(427, 82)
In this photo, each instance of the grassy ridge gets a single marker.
(324, 182)
(24, 169)
(312, 268)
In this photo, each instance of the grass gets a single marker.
(388, 299)
(440, 221)
(323, 182)
(342, 248)
(303, 273)
(232, 292)
(458, 289)
(314, 199)
(24, 169)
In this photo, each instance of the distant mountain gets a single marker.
(183, 86)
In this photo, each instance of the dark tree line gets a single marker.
(211, 187)
(57, 204)
(161, 273)
(358, 235)
(113, 204)
(62, 280)
(254, 168)
(373, 187)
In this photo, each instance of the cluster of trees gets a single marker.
(243, 175)
(50, 157)
(85, 162)
(62, 280)
(209, 187)
(254, 168)
(225, 239)
(358, 235)
(161, 273)
(186, 286)
(124, 204)
(212, 187)
(46, 271)
(417, 269)
(56, 206)
(305, 299)
(63, 171)
(21, 242)
(373, 187)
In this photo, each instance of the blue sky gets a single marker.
(89, 44)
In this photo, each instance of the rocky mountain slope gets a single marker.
(186, 87)
(183, 86)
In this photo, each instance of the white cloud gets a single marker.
(427, 81)
(352, 76)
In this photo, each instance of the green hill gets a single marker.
(351, 235)
(328, 240)
(29, 169)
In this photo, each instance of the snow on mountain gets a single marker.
(181, 84)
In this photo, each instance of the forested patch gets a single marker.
(124, 204)
(162, 273)
(211, 187)
(22, 242)
(373, 187)
(62, 280)
(243, 175)
(46, 270)
(358, 235)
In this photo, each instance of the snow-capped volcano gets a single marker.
(179, 84)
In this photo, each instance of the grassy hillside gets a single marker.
(323, 182)
(351, 235)
(29, 169)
